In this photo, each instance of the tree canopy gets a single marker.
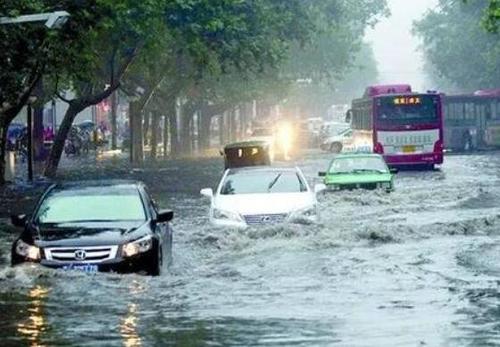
(457, 48)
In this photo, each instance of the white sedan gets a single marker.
(262, 196)
(341, 140)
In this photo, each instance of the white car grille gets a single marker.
(263, 219)
(94, 254)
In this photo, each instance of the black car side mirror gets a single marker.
(165, 216)
(18, 220)
(322, 174)
(394, 170)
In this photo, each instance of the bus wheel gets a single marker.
(336, 147)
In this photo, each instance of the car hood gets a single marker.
(91, 234)
(275, 203)
(358, 178)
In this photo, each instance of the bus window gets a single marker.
(471, 111)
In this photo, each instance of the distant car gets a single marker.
(247, 153)
(359, 171)
(338, 141)
(262, 196)
(329, 129)
(96, 226)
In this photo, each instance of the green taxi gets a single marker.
(359, 171)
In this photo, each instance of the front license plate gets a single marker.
(409, 149)
(88, 268)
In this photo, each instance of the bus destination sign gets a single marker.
(407, 100)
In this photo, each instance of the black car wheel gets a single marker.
(336, 147)
(154, 268)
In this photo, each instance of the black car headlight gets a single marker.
(142, 245)
(28, 251)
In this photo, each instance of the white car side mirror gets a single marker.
(318, 188)
(207, 192)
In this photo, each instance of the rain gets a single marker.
(332, 168)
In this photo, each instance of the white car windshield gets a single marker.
(262, 182)
(358, 165)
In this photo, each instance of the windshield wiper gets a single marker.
(273, 182)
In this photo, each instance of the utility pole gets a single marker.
(30, 142)
(114, 127)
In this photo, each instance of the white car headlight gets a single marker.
(226, 215)
(139, 246)
(28, 251)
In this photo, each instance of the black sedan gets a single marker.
(96, 226)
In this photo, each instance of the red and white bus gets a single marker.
(405, 127)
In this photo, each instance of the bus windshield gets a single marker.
(407, 110)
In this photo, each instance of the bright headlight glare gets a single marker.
(28, 251)
(139, 246)
(227, 215)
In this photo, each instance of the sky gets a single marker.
(396, 50)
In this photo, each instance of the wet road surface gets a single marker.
(417, 267)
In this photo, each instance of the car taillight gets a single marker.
(438, 147)
(379, 149)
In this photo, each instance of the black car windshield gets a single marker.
(358, 165)
(91, 205)
(261, 182)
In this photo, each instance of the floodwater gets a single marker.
(417, 267)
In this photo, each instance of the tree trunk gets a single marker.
(154, 133)
(74, 109)
(186, 134)
(194, 122)
(222, 129)
(137, 153)
(232, 128)
(147, 118)
(165, 136)
(114, 127)
(174, 139)
(204, 131)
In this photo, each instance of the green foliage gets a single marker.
(492, 16)
(456, 46)
(29, 50)
(323, 51)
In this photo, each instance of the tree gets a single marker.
(456, 46)
(30, 51)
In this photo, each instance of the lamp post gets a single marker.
(53, 20)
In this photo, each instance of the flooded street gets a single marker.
(416, 267)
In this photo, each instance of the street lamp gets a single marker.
(53, 20)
